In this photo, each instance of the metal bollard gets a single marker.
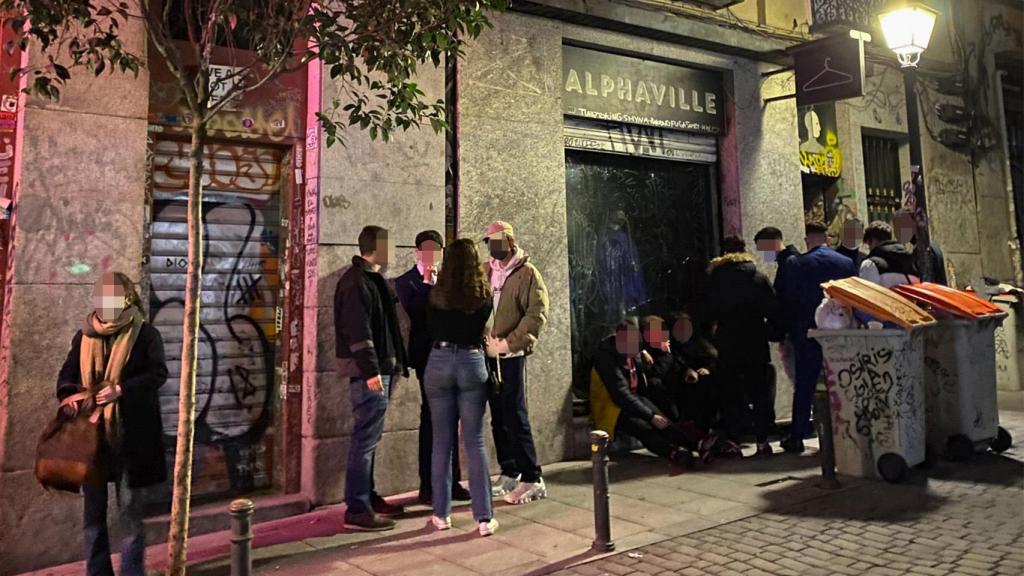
(827, 453)
(602, 521)
(241, 537)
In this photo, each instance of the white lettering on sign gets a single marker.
(223, 79)
(643, 92)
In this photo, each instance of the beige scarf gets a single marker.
(105, 350)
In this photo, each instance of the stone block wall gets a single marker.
(79, 213)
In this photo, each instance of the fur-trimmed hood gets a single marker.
(732, 258)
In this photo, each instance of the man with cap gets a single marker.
(413, 290)
(520, 310)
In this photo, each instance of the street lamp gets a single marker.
(907, 29)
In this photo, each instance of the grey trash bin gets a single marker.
(875, 381)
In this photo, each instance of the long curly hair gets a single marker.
(462, 284)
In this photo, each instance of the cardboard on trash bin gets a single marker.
(950, 300)
(878, 301)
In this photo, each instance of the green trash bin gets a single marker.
(960, 378)
(875, 381)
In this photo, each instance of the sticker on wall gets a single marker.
(278, 124)
(248, 123)
(9, 103)
(819, 144)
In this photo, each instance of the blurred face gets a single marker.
(853, 231)
(904, 228)
(627, 341)
(683, 329)
(500, 247)
(769, 249)
(814, 240)
(429, 254)
(385, 251)
(657, 336)
(109, 298)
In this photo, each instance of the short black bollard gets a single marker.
(827, 452)
(241, 537)
(602, 520)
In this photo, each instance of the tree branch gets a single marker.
(160, 35)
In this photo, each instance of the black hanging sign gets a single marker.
(616, 88)
(830, 69)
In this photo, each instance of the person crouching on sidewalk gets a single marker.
(617, 401)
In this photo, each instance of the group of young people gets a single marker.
(472, 327)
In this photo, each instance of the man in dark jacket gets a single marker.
(770, 244)
(889, 263)
(746, 311)
(413, 290)
(849, 241)
(801, 296)
(370, 354)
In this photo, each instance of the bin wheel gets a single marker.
(1002, 442)
(959, 448)
(892, 467)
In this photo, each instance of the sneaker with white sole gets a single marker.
(503, 485)
(489, 527)
(441, 523)
(527, 492)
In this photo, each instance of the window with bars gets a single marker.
(882, 177)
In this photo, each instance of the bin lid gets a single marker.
(960, 303)
(878, 301)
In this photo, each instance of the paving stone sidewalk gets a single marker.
(958, 520)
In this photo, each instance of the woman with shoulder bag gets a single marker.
(456, 380)
(116, 366)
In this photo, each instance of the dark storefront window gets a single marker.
(640, 235)
(882, 177)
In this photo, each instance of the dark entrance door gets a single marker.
(641, 232)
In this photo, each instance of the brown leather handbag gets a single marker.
(73, 452)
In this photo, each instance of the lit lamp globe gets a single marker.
(907, 30)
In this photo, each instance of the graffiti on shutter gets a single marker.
(236, 367)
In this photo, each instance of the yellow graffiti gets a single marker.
(826, 163)
(254, 123)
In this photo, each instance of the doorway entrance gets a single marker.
(641, 232)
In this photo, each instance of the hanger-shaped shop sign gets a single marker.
(827, 78)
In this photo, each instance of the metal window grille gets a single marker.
(882, 177)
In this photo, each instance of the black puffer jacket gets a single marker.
(893, 257)
(141, 453)
(367, 337)
(743, 304)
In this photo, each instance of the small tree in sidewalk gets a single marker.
(371, 47)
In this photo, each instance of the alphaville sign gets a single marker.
(634, 91)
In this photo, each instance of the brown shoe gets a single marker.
(383, 508)
(368, 522)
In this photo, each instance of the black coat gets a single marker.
(893, 257)
(852, 253)
(141, 454)
(367, 337)
(614, 372)
(744, 306)
(414, 294)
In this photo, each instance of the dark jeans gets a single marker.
(427, 441)
(808, 370)
(744, 380)
(510, 423)
(457, 388)
(368, 411)
(97, 537)
(660, 442)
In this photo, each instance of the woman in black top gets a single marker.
(456, 380)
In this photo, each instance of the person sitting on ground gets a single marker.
(618, 403)
(660, 366)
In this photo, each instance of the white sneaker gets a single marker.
(489, 527)
(503, 485)
(441, 523)
(527, 492)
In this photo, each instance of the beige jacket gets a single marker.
(523, 308)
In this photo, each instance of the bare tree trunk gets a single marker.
(177, 539)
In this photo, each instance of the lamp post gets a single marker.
(907, 30)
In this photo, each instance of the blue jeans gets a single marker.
(456, 387)
(368, 410)
(808, 370)
(97, 538)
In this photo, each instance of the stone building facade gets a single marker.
(98, 178)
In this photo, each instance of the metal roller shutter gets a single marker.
(632, 140)
(237, 364)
